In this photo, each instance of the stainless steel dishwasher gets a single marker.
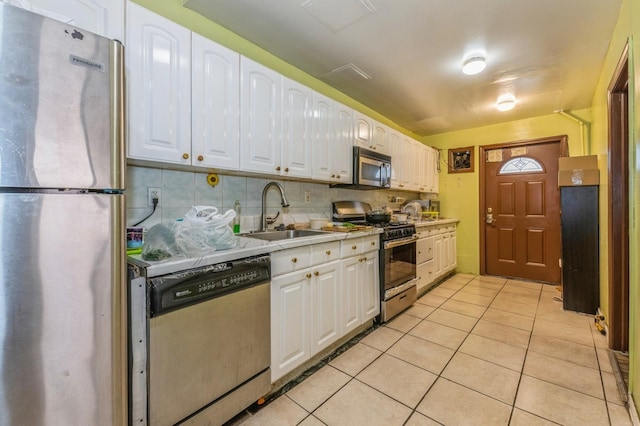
(209, 342)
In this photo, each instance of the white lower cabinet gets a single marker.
(290, 316)
(317, 298)
(360, 281)
(305, 304)
(435, 254)
(360, 290)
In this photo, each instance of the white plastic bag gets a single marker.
(160, 242)
(203, 230)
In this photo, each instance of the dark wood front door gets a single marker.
(521, 203)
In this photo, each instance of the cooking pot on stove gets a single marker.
(378, 216)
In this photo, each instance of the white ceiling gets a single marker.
(549, 53)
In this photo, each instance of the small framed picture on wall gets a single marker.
(461, 160)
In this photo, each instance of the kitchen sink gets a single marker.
(283, 235)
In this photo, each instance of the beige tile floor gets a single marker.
(475, 350)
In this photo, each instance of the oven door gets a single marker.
(399, 263)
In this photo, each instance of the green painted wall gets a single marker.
(173, 10)
(460, 194)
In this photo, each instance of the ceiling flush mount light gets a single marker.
(506, 103)
(474, 65)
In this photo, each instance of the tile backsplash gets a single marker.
(180, 190)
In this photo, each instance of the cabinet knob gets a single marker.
(308, 275)
(185, 156)
(278, 168)
(328, 252)
(337, 176)
(333, 176)
(354, 247)
(294, 260)
(373, 243)
(286, 169)
(316, 273)
(200, 157)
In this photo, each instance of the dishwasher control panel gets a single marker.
(181, 289)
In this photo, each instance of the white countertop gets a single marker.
(246, 247)
(435, 222)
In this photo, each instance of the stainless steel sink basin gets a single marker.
(283, 235)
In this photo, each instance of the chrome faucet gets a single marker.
(283, 200)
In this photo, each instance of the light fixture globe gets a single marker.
(506, 102)
(474, 65)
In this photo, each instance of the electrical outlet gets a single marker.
(307, 196)
(151, 194)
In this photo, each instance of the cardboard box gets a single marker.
(578, 171)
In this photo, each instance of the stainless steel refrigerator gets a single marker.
(62, 250)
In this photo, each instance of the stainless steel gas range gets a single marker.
(397, 258)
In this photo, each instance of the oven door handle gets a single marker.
(400, 242)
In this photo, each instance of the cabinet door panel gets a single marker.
(342, 156)
(159, 83)
(363, 130)
(370, 286)
(350, 294)
(323, 138)
(325, 302)
(216, 105)
(380, 138)
(296, 129)
(289, 322)
(260, 118)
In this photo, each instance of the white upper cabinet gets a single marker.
(332, 136)
(215, 76)
(104, 17)
(297, 114)
(397, 158)
(370, 134)
(343, 144)
(158, 64)
(432, 178)
(323, 135)
(260, 117)
(363, 127)
(380, 138)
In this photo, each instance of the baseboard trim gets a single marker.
(633, 413)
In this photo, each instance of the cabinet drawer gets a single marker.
(350, 247)
(424, 248)
(290, 260)
(371, 242)
(356, 246)
(322, 253)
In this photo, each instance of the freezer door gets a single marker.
(62, 310)
(61, 97)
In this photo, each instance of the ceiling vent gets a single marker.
(347, 71)
(337, 15)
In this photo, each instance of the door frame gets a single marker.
(564, 150)
(618, 204)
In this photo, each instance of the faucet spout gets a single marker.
(283, 202)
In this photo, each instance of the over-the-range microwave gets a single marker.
(371, 170)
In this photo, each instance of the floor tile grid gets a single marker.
(515, 411)
(469, 333)
(329, 396)
(537, 301)
(444, 285)
(525, 376)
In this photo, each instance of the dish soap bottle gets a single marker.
(236, 220)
